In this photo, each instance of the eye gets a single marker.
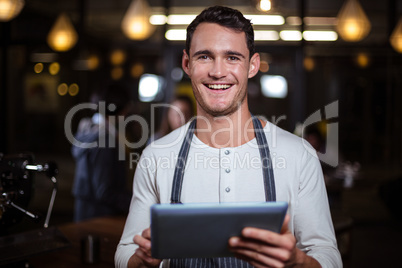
(233, 58)
(203, 57)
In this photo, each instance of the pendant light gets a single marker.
(62, 37)
(263, 5)
(353, 24)
(135, 24)
(9, 9)
(396, 37)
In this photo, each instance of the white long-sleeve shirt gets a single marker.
(234, 174)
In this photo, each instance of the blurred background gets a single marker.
(339, 60)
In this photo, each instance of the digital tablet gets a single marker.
(203, 230)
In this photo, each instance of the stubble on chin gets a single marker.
(222, 112)
(218, 111)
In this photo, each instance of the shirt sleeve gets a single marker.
(138, 219)
(313, 224)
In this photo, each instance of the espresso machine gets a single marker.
(17, 177)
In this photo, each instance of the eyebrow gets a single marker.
(235, 53)
(227, 52)
(202, 52)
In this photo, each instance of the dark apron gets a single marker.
(269, 185)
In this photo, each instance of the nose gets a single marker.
(218, 69)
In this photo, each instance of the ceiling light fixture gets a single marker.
(54, 68)
(309, 64)
(179, 19)
(135, 24)
(157, 19)
(396, 37)
(9, 9)
(294, 20)
(62, 37)
(311, 21)
(353, 24)
(176, 34)
(265, 19)
(264, 5)
(320, 35)
(260, 35)
(362, 60)
(320, 21)
(185, 19)
(266, 35)
(117, 57)
(289, 35)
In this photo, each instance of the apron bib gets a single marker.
(269, 185)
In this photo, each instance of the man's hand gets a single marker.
(142, 256)
(263, 248)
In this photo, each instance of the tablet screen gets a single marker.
(203, 229)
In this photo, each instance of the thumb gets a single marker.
(285, 225)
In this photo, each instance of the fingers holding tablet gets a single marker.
(143, 253)
(264, 247)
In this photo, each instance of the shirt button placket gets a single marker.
(227, 182)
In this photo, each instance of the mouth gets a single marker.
(218, 86)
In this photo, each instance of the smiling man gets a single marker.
(219, 67)
(231, 156)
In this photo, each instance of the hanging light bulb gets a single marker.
(117, 57)
(396, 37)
(9, 9)
(135, 24)
(362, 60)
(353, 24)
(264, 5)
(62, 36)
(309, 63)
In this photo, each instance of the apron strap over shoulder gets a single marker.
(181, 164)
(267, 170)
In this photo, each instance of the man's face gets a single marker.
(219, 67)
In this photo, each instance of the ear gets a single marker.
(254, 65)
(185, 61)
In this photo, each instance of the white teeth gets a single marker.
(218, 86)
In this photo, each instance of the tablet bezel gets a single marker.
(203, 229)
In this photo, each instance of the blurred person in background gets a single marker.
(100, 185)
(180, 111)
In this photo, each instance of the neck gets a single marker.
(226, 131)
